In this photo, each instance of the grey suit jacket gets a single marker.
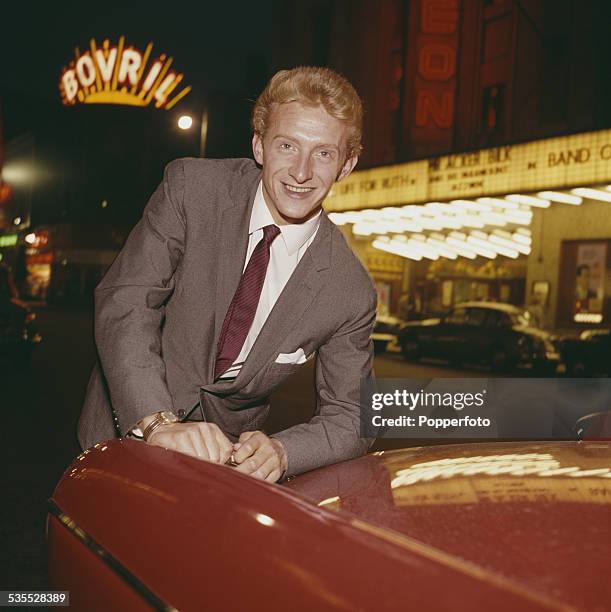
(160, 308)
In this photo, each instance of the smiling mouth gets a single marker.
(298, 189)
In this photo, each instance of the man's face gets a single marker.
(302, 153)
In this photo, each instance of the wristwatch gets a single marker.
(165, 417)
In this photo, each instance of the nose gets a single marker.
(301, 169)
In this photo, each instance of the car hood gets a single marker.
(538, 514)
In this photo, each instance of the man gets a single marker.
(231, 281)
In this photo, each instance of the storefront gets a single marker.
(65, 262)
(528, 224)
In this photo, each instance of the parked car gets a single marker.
(385, 331)
(18, 334)
(478, 527)
(589, 354)
(500, 335)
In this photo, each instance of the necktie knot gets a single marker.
(269, 233)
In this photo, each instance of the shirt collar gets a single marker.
(295, 235)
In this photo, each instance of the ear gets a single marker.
(257, 148)
(347, 167)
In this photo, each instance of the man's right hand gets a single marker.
(202, 440)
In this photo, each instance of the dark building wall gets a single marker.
(364, 41)
(522, 69)
(80, 157)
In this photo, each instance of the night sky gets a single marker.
(90, 153)
(210, 41)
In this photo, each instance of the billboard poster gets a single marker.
(383, 290)
(590, 277)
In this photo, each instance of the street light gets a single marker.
(185, 122)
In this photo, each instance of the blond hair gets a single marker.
(312, 86)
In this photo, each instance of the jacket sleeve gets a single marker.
(333, 434)
(130, 304)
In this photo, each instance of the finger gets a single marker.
(211, 444)
(266, 468)
(225, 448)
(199, 445)
(252, 463)
(246, 435)
(247, 449)
(273, 476)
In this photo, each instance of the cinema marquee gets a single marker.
(120, 74)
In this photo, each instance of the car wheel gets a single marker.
(410, 349)
(499, 360)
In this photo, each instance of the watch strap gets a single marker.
(159, 420)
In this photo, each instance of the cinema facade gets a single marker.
(528, 224)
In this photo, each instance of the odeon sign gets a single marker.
(116, 74)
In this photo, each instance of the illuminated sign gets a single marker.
(8, 240)
(38, 239)
(554, 163)
(6, 192)
(116, 74)
(433, 66)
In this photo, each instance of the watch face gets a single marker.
(169, 417)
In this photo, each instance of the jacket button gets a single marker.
(181, 414)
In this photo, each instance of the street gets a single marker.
(40, 412)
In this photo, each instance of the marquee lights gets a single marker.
(592, 194)
(116, 74)
(518, 198)
(563, 198)
(417, 246)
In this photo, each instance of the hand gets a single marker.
(260, 456)
(202, 440)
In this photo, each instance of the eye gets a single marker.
(325, 155)
(285, 146)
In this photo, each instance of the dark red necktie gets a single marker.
(243, 307)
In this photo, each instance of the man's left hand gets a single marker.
(260, 456)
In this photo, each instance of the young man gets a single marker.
(231, 281)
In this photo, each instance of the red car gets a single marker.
(501, 526)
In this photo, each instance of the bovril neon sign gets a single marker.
(120, 74)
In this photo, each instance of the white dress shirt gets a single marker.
(285, 253)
